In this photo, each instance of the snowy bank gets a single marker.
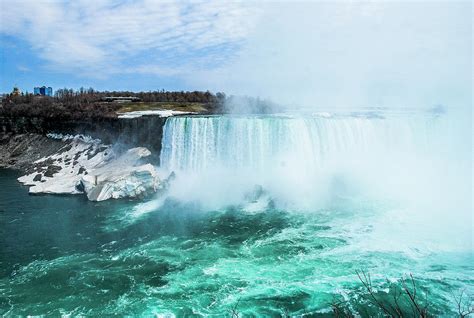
(160, 113)
(121, 178)
(85, 165)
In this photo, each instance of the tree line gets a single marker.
(90, 95)
(89, 103)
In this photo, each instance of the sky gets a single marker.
(325, 53)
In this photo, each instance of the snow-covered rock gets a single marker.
(121, 178)
(86, 165)
(62, 171)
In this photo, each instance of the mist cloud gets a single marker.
(349, 54)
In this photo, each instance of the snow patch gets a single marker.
(67, 137)
(161, 113)
(121, 178)
(86, 165)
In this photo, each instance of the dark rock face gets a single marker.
(19, 151)
(23, 139)
(145, 131)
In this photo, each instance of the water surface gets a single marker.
(66, 255)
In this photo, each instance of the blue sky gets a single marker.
(325, 53)
(136, 45)
(24, 67)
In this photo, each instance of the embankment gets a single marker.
(23, 139)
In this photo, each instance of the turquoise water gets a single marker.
(65, 255)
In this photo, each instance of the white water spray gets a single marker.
(305, 163)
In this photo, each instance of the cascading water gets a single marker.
(308, 163)
(303, 159)
(199, 143)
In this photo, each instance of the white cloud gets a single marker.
(108, 37)
(318, 53)
(354, 53)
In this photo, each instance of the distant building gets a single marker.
(43, 91)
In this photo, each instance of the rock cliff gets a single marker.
(85, 165)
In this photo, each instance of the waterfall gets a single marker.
(259, 143)
(310, 159)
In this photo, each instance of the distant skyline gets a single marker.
(341, 53)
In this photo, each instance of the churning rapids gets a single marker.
(265, 215)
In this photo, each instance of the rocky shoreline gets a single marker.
(77, 156)
(66, 164)
(142, 131)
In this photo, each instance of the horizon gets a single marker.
(311, 53)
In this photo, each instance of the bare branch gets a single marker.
(367, 282)
(465, 307)
(233, 311)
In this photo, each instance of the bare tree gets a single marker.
(408, 295)
(464, 303)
